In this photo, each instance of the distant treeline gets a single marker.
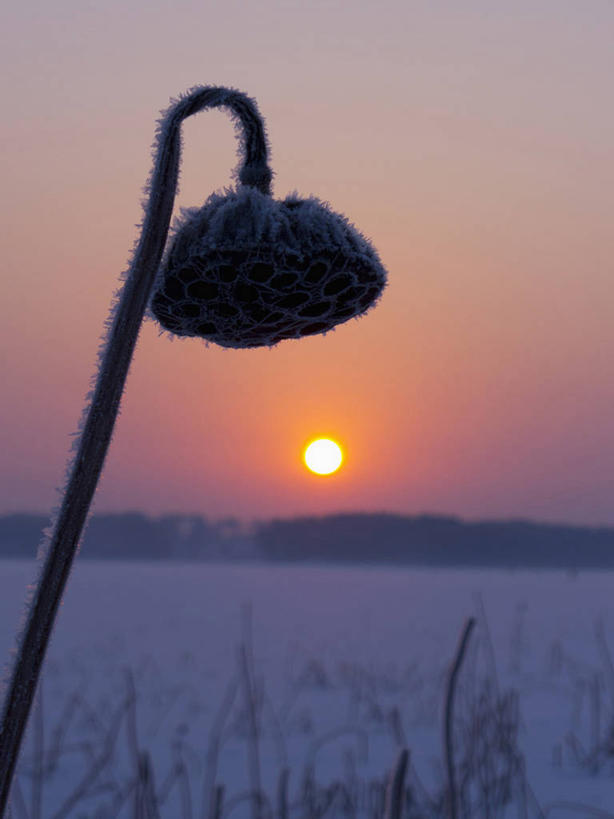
(134, 536)
(431, 540)
(426, 540)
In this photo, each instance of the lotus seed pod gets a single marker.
(246, 270)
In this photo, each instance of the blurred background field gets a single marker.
(175, 674)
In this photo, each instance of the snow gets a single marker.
(333, 648)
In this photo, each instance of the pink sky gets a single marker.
(473, 143)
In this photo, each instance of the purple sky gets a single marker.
(473, 143)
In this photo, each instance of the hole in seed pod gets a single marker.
(164, 316)
(337, 262)
(366, 276)
(293, 262)
(283, 280)
(337, 284)
(255, 312)
(188, 310)
(272, 327)
(207, 329)
(316, 272)
(188, 274)
(352, 277)
(224, 309)
(351, 294)
(238, 257)
(292, 331)
(278, 330)
(260, 272)
(202, 290)
(173, 327)
(268, 297)
(344, 312)
(293, 300)
(316, 327)
(159, 304)
(370, 296)
(274, 316)
(246, 292)
(173, 288)
(227, 273)
(315, 310)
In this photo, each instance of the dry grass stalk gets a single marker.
(452, 796)
(395, 791)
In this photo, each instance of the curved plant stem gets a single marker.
(100, 419)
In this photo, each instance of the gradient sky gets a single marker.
(472, 142)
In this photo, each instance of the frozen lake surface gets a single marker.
(343, 666)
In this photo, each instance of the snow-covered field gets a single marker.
(323, 669)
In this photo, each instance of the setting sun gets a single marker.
(323, 456)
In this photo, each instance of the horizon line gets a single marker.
(449, 516)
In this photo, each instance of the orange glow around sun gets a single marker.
(323, 456)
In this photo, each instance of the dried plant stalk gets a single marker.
(125, 322)
(455, 668)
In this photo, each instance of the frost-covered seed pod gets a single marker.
(246, 270)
